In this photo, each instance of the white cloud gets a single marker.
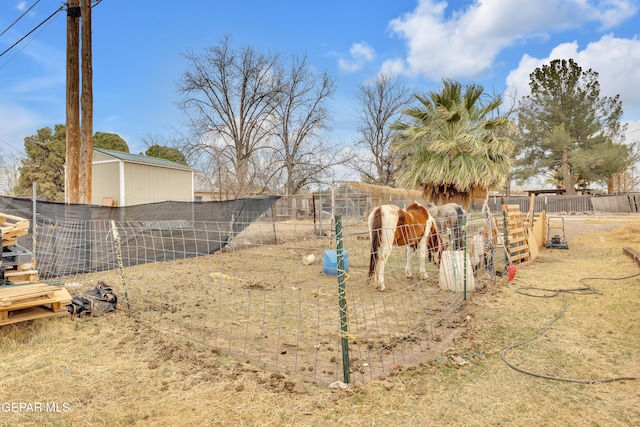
(618, 12)
(465, 42)
(392, 67)
(349, 67)
(361, 53)
(616, 61)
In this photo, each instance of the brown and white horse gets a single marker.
(412, 227)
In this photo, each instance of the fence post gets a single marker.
(118, 248)
(464, 256)
(320, 211)
(342, 301)
(333, 203)
(34, 220)
(273, 223)
(507, 252)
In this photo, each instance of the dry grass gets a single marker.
(115, 370)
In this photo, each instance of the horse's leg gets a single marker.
(422, 247)
(386, 242)
(382, 261)
(407, 268)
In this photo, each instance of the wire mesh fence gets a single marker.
(265, 280)
(270, 294)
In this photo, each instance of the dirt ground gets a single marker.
(258, 301)
(121, 369)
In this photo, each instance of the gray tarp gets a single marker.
(72, 239)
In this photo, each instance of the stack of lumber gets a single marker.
(11, 228)
(27, 302)
(17, 263)
(20, 298)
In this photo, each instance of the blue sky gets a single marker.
(137, 49)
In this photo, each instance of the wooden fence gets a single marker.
(626, 203)
(357, 203)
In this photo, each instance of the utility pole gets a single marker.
(79, 148)
(71, 181)
(86, 101)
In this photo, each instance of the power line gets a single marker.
(10, 146)
(30, 32)
(94, 4)
(24, 46)
(19, 18)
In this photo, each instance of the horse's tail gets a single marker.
(433, 241)
(460, 220)
(375, 224)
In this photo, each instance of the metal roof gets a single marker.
(138, 158)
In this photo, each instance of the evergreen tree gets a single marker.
(44, 164)
(167, 153)
(110, 141)
(45, 161)
(566, 129)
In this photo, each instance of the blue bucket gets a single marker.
(330, 262)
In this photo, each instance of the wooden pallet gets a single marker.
(19, 303)
(22, 267)
(12, 227)
(21, 274)
(634, 254)
(517, 236)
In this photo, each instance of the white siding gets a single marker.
(149, 184)
(132, 183)
(105, 181)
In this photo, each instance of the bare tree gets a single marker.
(267, 172)
(229, 96)
(380, 105)
(212, 173)
(10, 170)
(175, 139)
(300, 117)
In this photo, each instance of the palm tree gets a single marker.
(457, 146)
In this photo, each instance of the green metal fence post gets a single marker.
(506, 238)
(342, 301)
